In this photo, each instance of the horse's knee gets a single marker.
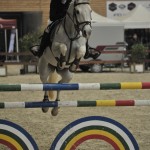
(81, 51)
(62, 60)
(63, 49)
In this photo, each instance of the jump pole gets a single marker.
(74, 86)
(94, 103)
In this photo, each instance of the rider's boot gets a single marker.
(38, 50)
(89, 54)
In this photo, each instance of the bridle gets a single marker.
(76, 23)
(77, 26)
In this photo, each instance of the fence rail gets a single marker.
(81, 63)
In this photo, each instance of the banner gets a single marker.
(121, 8)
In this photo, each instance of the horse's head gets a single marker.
(82, 15)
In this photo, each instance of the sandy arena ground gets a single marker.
(44, 127)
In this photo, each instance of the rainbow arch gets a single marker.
(94, 127)
(15, 137)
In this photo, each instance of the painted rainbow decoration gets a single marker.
(94, 127)
(15, 137)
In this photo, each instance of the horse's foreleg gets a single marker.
(45, 99)
(74, 65)
(62, 61)
(54, 111)
(44, 73)
(66, 77)
(80, 53)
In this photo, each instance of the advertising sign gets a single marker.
(121, 8)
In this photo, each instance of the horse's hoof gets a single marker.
(55, 111)
(45, 109)
(73, 68)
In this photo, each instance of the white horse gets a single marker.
(68, 47)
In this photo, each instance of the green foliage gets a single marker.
(29, 40)
(138, 53)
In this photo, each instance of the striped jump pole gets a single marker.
(94, 103)
(74, 86)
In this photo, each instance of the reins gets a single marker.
(77, 25)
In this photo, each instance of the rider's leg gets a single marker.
(44, 42)
(38, 50)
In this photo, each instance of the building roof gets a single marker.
(101, 20)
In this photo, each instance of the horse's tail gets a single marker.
(53, 78)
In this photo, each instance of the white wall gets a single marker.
(106, 35)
